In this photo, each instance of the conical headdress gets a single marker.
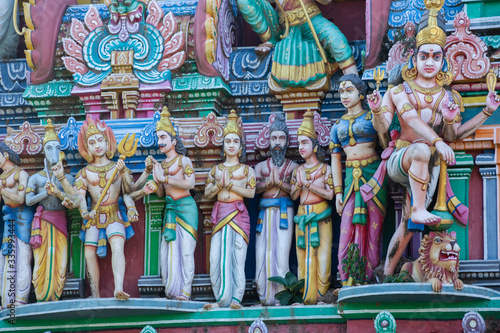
(232, 125)
(50, 133)
(431, 32)
(307, 127)
(165, 124)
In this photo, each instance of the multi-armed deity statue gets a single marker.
(231, 181)
(105, 221)
(429, 115)
(354, 133)
(313, 183)
(49, 228)
(275, 224)
(175, 176)
(15, 274)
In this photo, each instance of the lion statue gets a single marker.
(438, 261)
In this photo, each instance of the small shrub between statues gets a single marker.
(293, 288)
(355, 265)
(403, 276)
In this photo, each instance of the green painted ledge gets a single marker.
(108, 313)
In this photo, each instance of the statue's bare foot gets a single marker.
(121, 295)
(422, 216)
(182, 298)
(264, 48)
(235, 305)
(210, 306)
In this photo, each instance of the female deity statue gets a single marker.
(354, 133)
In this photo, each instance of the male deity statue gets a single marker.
(97, 144)
(313, 183)
(429, 115)
(298, 25)
(231, 182)
(49, 228)
(15, 274)
(176, 177)
(275, 223)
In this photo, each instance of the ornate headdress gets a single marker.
(307, 127)
(165, 124)
(233, 125)
(91, 127)
(50, 133)
(430, 31)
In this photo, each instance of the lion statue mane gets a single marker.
(438, 261)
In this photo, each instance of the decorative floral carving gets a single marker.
(26, 140)
(157, 48)
(209, 132)
(465, 51)
(148, 134)
(322, 131)
(262, 141)
(69, 135)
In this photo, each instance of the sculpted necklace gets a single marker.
(311, 170)
(101, 170)
(231, 169)
(428, 92)
(166, 165)
(5, 175)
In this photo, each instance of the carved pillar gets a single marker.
(195, 95)
(490, 205)
(152, 235)
(76, 262)
(459, 175)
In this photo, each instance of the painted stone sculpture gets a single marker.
(8, 37)
(16, 255)
(275, 224)
(313, 183)
(428, 115)
(49, 227)
(438, 261)
(176, 177)
(231, 182)
(302, 26)
(107, 222)
(354, 134)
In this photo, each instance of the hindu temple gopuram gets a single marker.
(250, 166)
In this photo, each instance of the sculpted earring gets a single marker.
(239, 153)
(6, 158)
(315, 149)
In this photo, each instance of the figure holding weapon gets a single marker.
(106, 181)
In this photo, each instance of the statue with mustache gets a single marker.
(275, 223)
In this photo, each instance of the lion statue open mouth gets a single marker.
(438, 262)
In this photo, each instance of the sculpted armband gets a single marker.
(252, 183)
(188, 171)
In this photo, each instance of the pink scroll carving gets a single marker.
(466, 52)
(26, 141)
(209, 132)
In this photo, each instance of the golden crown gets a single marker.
(232, 125)
(432, 34)
(50, 133)
(307, 127)
(165, 124)
(92, 129)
